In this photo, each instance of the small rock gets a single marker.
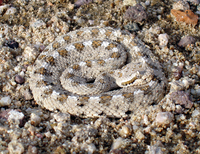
(196, 113)
(187, 16)
(27, 94)
(196, 91)
(32, 150)
(19, 79)
(155, 150)
(163, 40)
(125, 131)
(181, 5)
(15, 147)
(130, 2)
(195, 2)
(117, 151)
(3, 8)
(186, 40)
(12, 44)
(35, 119)
(90, 148)
(132, 27)
(11, 11)
(164, 118)
(181, 98)
(37, 24)
(177, 72)
(117, 143)
(62, 117)
(136, 13)
(78, 3)
(15, 117)
(59, 150)
(139, 135)
(5, 101)
(30, 53)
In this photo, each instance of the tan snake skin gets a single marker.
(97, 71)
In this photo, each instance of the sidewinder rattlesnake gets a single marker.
(97, 71)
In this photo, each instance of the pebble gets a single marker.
(177, 72)
(36, 24)
(26, 94)
(117, 143)
(130, 2)
(195, 2)
(163, 39)
(181, 98)
(196, 113)
(136, 13)
(181, 84)
(78, 3)
(61, 117)
(15, 117)
(125, 131)
(181, 5)
(32, 150)
(15, 147)
(187, 16)
(19, 79)
(154, 150)
(30, 53)
(10, 11)
(196, 91)
(164, 118)
(186, 40)
(12, 44)
(5, 101)
(35, 119)
(132, 27)
(139, 135)
(3, 8)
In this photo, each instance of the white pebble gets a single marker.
(61, 117)
(130, 2)
(181, 5)
(15, 116)
(30, 53)
(163, 40)
(5, 101)
(36, 24)
(35, 119)
(154, 150)
(117, 143)
(195, 113)
(125, 131)
(3, 7)
(139, 135)
(164, 118)
(15, 147)
(11, 11)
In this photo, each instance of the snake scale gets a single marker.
(96, 71)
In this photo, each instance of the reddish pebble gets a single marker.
(181, 98)
(19, 79)
(187, 16)
(136, 13)
(186, 41)
(78, 3)
(177, 73)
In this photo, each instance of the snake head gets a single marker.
(134, 74)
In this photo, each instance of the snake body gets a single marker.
(95, 71)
